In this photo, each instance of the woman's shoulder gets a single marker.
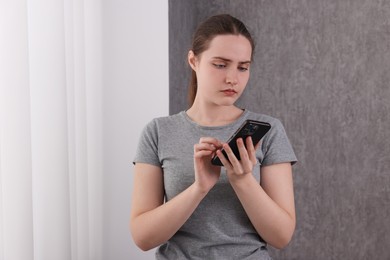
(168, 118)
(163, 121)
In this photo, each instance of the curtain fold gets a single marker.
(16, 227)
(50, 130)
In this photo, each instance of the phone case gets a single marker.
(253, 128)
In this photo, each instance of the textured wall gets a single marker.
(323, 68)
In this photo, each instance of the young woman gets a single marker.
(185, 205)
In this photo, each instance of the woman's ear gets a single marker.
(192, 60)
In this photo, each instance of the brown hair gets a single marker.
(222, 24)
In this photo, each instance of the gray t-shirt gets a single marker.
(219, 228)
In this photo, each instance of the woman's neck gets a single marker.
(218, 116)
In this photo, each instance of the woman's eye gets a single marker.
(219, 66)
(242, 69)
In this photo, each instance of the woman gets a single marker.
(185, 205)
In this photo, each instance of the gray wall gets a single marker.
(323, 68)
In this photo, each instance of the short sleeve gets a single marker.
(147, 149)
(277, 147)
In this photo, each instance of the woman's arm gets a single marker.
(151, 221)
(270, 207)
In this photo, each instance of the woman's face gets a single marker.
(222, 70)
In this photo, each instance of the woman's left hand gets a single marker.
(237, 169)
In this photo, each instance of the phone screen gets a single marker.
(253, 128)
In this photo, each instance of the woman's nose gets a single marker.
(231, 77)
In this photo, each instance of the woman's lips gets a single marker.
(229, 92)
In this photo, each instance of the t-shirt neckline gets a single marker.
(240, 119)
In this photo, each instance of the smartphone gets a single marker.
(255, 129)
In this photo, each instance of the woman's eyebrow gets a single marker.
(229, 60)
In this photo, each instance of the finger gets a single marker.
(225, 162)
(249, 143)
(203, 153)
(204, 146)
(251, 150)
(211, 140)
(235, 163)
(242, 149)
(246, 161)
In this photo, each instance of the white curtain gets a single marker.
(50, 130)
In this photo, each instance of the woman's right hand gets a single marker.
(206, 174)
